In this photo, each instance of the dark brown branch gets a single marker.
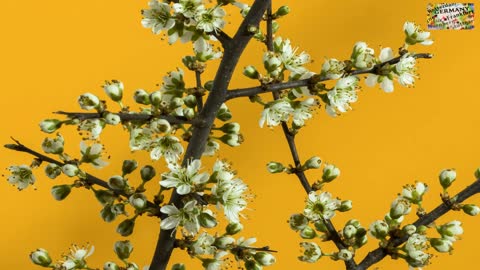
(199, 97)
(89, 179)
(216, 98)
(251, 91)
(223, 37)
(378, 254)
(127, 117)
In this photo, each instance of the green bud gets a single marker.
(110, 212)
(105, 196)
(60, 192)
(176, 102)
(112, 118)
(330, 172)
(349, 231)
(132, 266)
(361, 232)
(224, 242)
(271, 62)
(477, 173)
(264, 258)
(117, 182)
(207, 220)
(40, 257)
(379, 229)
(231, 128)
(147, 173)
(298, 222)
(50, 125)
(160, 126)
(141, 96)
(345, 206)
(123, 249)
(275, 26)
(110, 266)
(308, 233)
(156, 98)
(224, 113)
(441, 245)
(353, 222)
(422, 229)
(88, 101)
(360, 241)
(138, 201)
(129, 166)
(312, 163)
(234, 228)
(344, 255)
(252, 265)
(189, 62)
(282, 11)
(189, 113)
(251, 72)
(232, 139)
(178, 266)
(114, 90)
(471, 209)
(190, 101)
(447, 177)
(208, 85)
(125, 228)
(410, 229)
(275, 167)
(320, 226)
(53, 170)
(70, 170)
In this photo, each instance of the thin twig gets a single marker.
(127, 116)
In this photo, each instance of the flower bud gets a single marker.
(147, 173)
(110, 212)
(234, 228)
(232, 139)
(312, 163)
(208, 85)
(308, 233)
(88, 101)
(264, 258)
(251, 72)
(189, 113)
(52, 170)
(156, 98)
(477, 173)
(70, 170)
(450, 230)
(471, 209)
(345, 255)
(320, 226)
(282, 11)
(207, 220)
(189, 62)
(138, 201)
(112, 119)
(117, 182)
(379, 229)
(60, 192)
(354, 223)
(275, 167)
(53, 146)
(132, 266)
(190, 101)
(410, 229)
(441, 245)
(447, 177)
(123, 249)
(125, 228)
(110, 266)
(114, 90)
(105, 196)
(252, 265)
(178, 266)
(141, 96)
(400, 207)
(330, 172)
(231, 128)
(50, 125)
(224, 242)
(360, 241)
(224, 113)
(40, 257)
(345, 206)
(176, 102)
(349, 231)
(298, 222)
(129, 166)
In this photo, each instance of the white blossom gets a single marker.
(184, 179)
(92, 154)
(414, 193)
(168, 147)
(386, 83)
(230, 192)
(53, 146)
(415, 35)
(77, 256)
(88, 101)
(186, 217)
(158, 17)
(362, 57)
(187, 7)
(93, 126)
(21, 177)
(340, 97)
(210, 19)
(289, 58)
(321, 206)
(311, 253)
(203, 245)
(275, 112)
(333, 69)
(302, 111)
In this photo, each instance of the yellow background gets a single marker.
(52, 51)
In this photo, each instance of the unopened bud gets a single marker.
(53, 170)
(156, 98)
(207, 220)
(147, 173)
(70, 170)
(330, 172)
(114, 90)
(308, 233)
(231, 128)
(224, 113)
(282, 11)
(178, 266)
(125, 228)
(190, 101)
(138, 201)
(232, 139)
(349, 231)
(141, 96)
(50, 125)
(251, 72)
(313, 163)
(234, 228)
(123, 249)
(110, 266)
(275, 167)
(224, 242)
(117, 182)
(41, 257)
(105, 196)
(112, 119)
(129, 166)
(379, 229)
(60, 192)
(471, 209)
(88, 101)
(189, 62)
(264, 258)
(298, 222)
(447, 177)
(345, 206)
(252, 265)
(345, 255)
